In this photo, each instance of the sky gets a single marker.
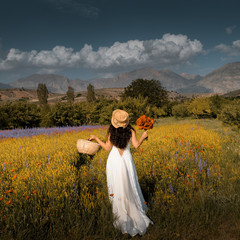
(88, 39)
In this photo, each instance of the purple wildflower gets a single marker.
(171, 188)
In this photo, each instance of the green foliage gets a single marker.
(90, 93)
(65, 114)
(230, 113)
(180, 110)
(46, 120)
(216, 104)
(152, 89)
(19, 114)
(42, 93)
(200, 107)
(70, 94)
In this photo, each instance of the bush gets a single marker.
(230, 113)
(200, 107)
(19, 114)
(180, 110)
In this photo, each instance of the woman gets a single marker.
(124, 191)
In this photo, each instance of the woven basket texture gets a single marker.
(87, 147)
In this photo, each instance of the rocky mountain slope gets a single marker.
(222, 80)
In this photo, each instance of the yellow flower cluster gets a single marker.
(46, 175)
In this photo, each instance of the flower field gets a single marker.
(189, 175)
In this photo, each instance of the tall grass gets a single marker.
(188, 172)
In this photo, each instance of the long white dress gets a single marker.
(125, 193)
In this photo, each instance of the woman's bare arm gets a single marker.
(136, 143)
(106, 146)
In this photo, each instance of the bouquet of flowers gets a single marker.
(145, 122)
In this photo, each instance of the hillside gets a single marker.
(221, 80)
(224, 79)
(234, 94)
(108, 93)
(58, 83)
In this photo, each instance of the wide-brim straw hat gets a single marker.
(120, 118)
(87, 147)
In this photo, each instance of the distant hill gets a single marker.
(234, 94)
(222, 80)
(59, 84)
(24, 94)
(108, 93)
(54, 83)
(4, 86)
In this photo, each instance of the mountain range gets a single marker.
(221, 80)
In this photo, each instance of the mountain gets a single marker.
(234, 94)
(58, 83)
(222, 80)
(194, 77)
(4, 86)
(54, 83)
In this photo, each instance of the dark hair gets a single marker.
(120, 137)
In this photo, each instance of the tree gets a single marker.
(152, 89)
(42, 93)
(200, 107)
(90, 93)
(70, 94)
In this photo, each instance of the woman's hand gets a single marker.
(92, 137)
(145, 134)
(107, 146)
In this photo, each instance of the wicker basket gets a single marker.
(87, 147)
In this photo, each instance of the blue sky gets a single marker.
(101, 38)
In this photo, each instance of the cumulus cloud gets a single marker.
(171, 50)
(231, 50)
(229, 30)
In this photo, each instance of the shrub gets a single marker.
(200, 107)
(230, 114)
(180, 110)
(19, 114)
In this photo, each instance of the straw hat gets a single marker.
(120, 118)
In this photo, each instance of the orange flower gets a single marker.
(188, 175)
(1, 198)
(9, 191)
(27, 197)
(145, 122)
(111, 195)
(15, 176)
(12, 170)
(34, 191)
(38, 163)
(8, 202)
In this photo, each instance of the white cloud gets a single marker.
(169, 51)
(231, 50)
(229, 30)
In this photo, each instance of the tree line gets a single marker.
(140, 97)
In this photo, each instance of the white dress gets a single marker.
(125, 193)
